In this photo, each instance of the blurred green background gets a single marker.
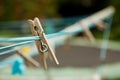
(19, 10)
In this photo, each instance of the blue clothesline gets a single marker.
(14, 45)
(8, 51)
(26, 40)
(21, 39)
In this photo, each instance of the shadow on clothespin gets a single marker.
(87, 32)
(42, 44)
(28, 59)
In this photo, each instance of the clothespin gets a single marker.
(29, 59)
(42, 44)
(87, 32)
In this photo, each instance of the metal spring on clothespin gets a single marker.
(42, 44)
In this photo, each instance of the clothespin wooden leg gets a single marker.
(29, 59)
(42, 44)
(87, 32)
(53, 47)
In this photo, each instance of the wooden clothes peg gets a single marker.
(42, 44)
(87, 32)
(29, 59)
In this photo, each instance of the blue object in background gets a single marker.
(18, 67)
